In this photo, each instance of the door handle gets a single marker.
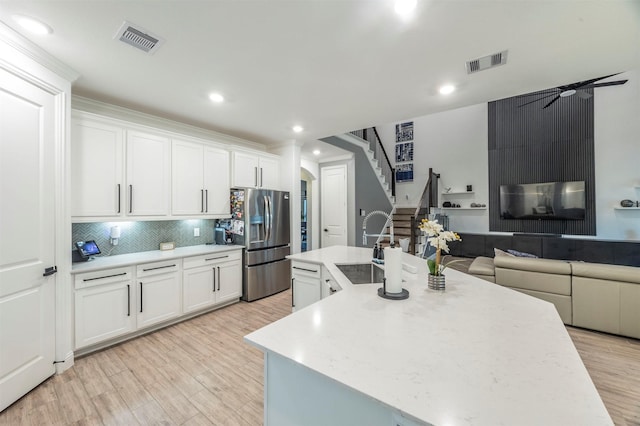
(326, 230)
(50, 271)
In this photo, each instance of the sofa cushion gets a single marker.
(548, 266)
(620, 273)
(544, 275)
(482, 266)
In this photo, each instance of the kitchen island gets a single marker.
(475, 354)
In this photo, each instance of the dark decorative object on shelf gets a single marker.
(447, 204)
(627, 203)
(469, 188)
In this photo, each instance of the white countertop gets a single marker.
(475, 354)
(103, 262)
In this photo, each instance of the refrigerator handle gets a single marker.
(267, 221)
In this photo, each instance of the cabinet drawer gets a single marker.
(104, 276)
(212, 258)
(302, 269)
(155, 268)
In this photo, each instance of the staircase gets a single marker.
(405, 225)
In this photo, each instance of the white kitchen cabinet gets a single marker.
(104, 305)
(148, 172)
(159, 289)
(118, 172)
(96, 169)
(306, 284)
(254, 170)
(329, 284)
(200, 179)
(212, 279)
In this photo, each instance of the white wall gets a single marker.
(455, 144)
(617, 152)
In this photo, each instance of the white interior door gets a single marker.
(27, 218)
(333, 182)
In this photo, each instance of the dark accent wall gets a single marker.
(529, 144)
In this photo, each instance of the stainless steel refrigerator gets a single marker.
(260, 222)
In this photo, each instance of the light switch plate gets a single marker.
(167, 246)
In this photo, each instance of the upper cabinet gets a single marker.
(97, 156)
(200, 179)
(147, 174)
(117, 172)
(255, 170)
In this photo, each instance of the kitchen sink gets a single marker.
(362, 273)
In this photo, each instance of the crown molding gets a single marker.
(93, 106)
(34, 52)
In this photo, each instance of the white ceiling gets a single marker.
(328, 65)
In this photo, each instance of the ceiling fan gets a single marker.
(572, 89)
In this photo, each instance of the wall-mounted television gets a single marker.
(542, 201)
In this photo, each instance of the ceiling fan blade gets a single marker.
(583, 95)
(552, 101)
(608, 83)
(582, 84)
(539, 99)
(542, 92)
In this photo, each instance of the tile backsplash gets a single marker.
(144, 236)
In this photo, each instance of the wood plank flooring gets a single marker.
(200, 372)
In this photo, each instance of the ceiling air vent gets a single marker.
(487, 62)
(138, 38)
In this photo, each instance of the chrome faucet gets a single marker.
(389, 221)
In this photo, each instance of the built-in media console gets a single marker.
(550, 246)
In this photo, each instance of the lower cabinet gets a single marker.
(114, 302)
(210, 280)
(306, 284)
(104, 305)
(159, 292)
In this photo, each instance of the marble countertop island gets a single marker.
(475, 354)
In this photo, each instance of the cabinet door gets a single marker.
(96, 169)
(228, 281)
(104, 312)
(305, 291)
(216, 181)
(198, 288)
(245, 170)
(187, 176)
(269, 173)
(158, 299)
(148, 171)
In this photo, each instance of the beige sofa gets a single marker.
(590, 295)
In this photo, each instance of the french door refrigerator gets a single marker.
(260, 222)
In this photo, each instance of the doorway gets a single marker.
(333, 196)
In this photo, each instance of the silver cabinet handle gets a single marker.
(119, 198)
(255, 175)
(218, 278)
(206, 201)
(293, 303)
(214, 279)
(261, 177)
(214, 258)
(202, 201)
(130, 198)
(305, 269)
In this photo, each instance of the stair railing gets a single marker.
(429, 198)
(375, 144)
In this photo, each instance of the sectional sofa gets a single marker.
(589, 295)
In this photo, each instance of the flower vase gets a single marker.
(436, 282)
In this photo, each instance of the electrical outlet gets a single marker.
(196, 232)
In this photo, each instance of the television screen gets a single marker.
(549, 200)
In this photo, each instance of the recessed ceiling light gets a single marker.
(316, 152)
(405, 7)
(216, 97)
(297, 129)
(32, 25)
(447, 89)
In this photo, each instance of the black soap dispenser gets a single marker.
(375, 251)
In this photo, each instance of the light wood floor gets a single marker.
(200, 372)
